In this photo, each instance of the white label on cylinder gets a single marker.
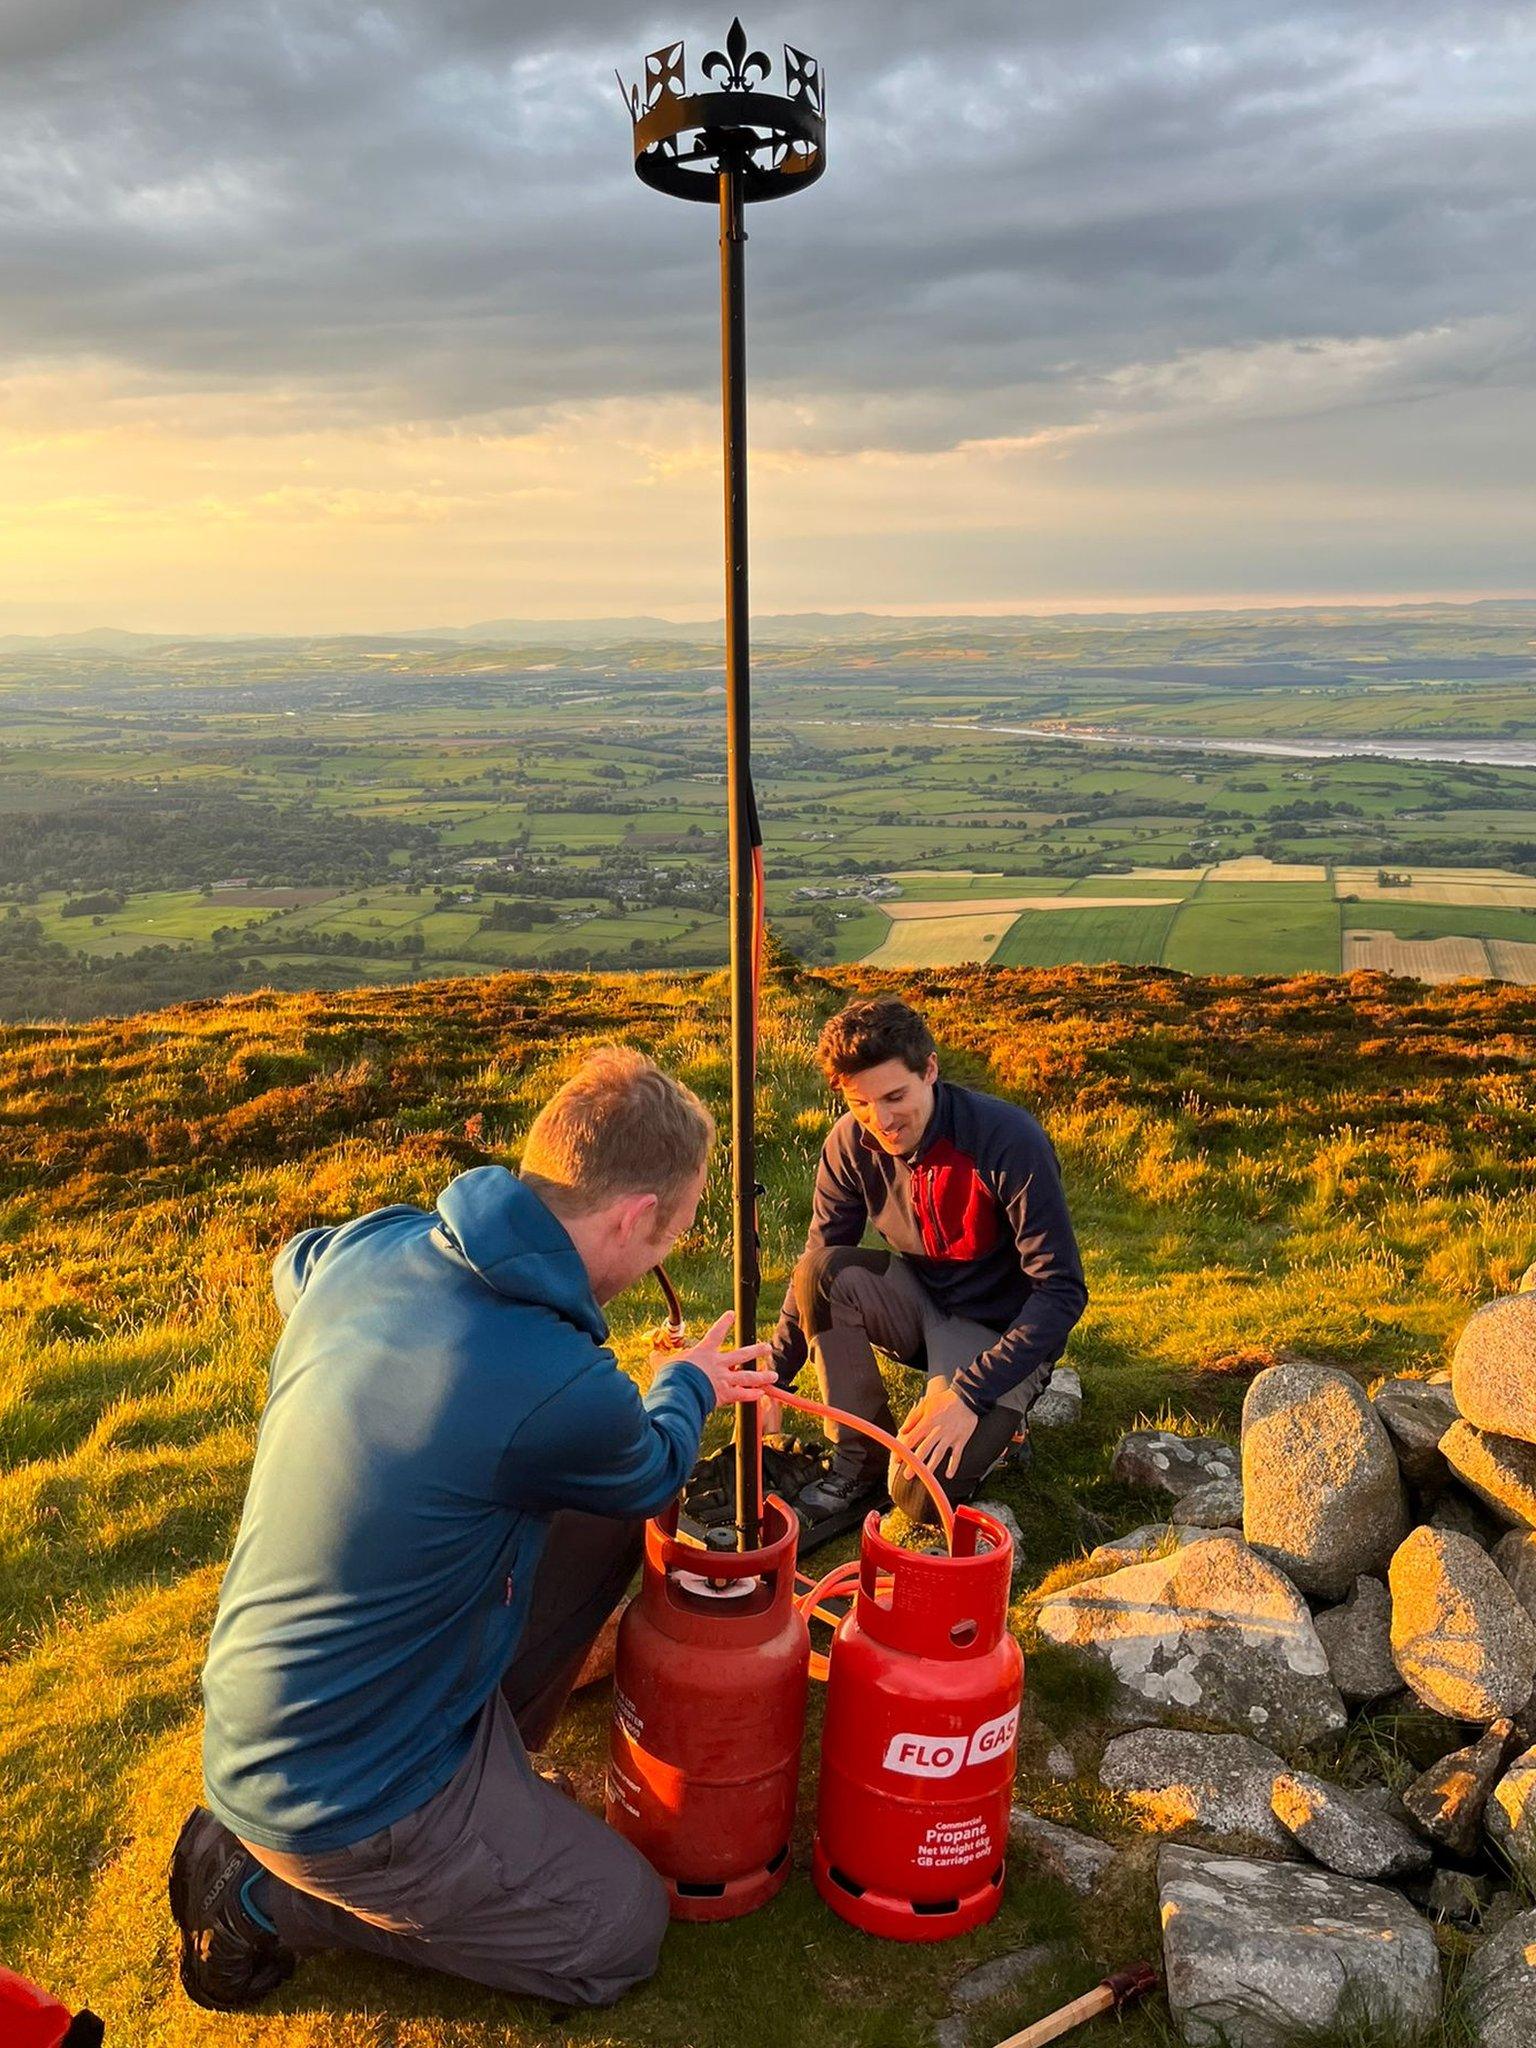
(925, 1756)
(993, 1737)
(940, 1756)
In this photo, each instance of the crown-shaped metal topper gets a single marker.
(777, 142)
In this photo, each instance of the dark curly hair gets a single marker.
(869, 1033)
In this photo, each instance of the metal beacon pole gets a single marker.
(730, 146)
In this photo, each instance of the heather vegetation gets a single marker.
(1337, 1167)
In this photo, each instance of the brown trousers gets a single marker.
(500, 1877)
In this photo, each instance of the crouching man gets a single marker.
(979, 1288)
(447, 1502)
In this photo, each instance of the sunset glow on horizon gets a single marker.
(376, 331)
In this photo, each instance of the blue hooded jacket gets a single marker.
(442, 1387)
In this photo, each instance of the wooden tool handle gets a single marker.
(1109, 1996)
(1055, 2024)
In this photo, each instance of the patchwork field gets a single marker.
(902, 912)
(1250, 916)
(1256, 928)
(216, 818)
(1132, 930)
(943, 941)
(1473, 886)
(1255, 868)
(1432, 960)
(1441, 920)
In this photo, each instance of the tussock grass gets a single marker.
(1343, 1170)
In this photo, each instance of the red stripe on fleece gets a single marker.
(956, 1211)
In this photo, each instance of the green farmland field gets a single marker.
(1442, 920)
(1056, 938)
(1258, 928)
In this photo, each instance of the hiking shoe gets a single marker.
(834, 1504)
(708, 1507)
(834, 1492)
(790, 1465)
(230, 1954)
(1018, 1457)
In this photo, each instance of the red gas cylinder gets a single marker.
(29, 2018)
(923, 1690)
(709, 1691)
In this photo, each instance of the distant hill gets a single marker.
(794, 629)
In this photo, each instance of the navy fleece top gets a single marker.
(979, 1213)
(442, 1387)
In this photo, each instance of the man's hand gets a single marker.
(938, 1430)
(730, 1373)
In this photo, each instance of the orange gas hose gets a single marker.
(843, 1579)
(893, 1444)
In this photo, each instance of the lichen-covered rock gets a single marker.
(1343, 1832)
(1212, 1637)
(1515, 1556)
(1077, 1861)
(1416, 1415)
(1500, 1987)
(1500, 1470)
(1510, 1817)
(1256, 1953)
(1003, 1973)
(1156, 1539)
(1062, 1402)
(1322, 1494)
(1214, 1791)
(1446, 1802)
(1162, 1462)
(1460, 1638)
(1001, 1512)
(1357, 1638)
(1218, 1505)
(1493, 1368)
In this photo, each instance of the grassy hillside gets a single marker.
(1342, 1167)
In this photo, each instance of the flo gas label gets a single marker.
(941, 1756)
(992, 1738)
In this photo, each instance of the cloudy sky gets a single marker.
(318, 315)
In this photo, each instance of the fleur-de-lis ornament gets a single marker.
(735, 120)
(744, 68)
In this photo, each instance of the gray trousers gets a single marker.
(500, 1877)
(852, 1301)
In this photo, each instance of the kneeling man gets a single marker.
(448, 1497)
(980, 1286)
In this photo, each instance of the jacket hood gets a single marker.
(517, 1245)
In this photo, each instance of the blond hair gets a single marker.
(619, 1126)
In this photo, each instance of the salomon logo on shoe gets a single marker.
(215, 1891)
